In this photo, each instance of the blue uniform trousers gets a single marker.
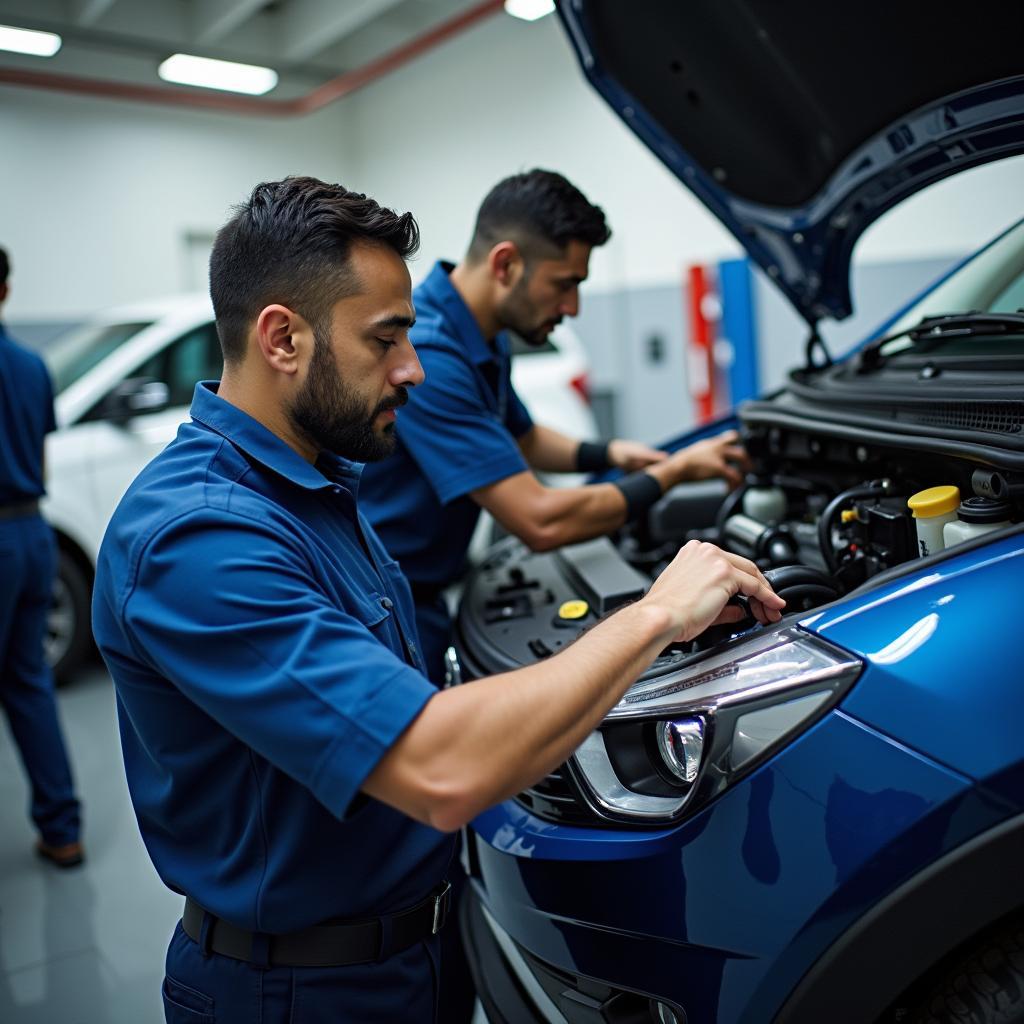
(458, 995)
(27, 566)
(215, 989)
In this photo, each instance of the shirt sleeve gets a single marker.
(50, 421)
(517, 416)
(458, 442)
(231, 613)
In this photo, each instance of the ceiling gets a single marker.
(308, 42)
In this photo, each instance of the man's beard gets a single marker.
(332, 416)
(516, 314)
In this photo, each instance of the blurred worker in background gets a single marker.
(468, 443)
(28, 558)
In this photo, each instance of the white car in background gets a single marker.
(124, 383)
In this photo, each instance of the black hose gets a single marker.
(825, 522)
(726, 509)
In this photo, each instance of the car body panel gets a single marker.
(928, 641)
(739, 898)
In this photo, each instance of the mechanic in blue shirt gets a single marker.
(28, 562)
(293, 771)
(467, 441)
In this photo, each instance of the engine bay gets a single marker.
(822, 514)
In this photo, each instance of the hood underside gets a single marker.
(798, 122)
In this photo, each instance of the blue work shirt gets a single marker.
(264, 655)
(26, 417)
(457, 433)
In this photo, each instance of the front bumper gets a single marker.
(721, 916)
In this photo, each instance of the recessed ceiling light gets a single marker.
(25, 40)
(217, 74)
(529, 10)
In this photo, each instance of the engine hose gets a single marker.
(726, 509)
(825, 522)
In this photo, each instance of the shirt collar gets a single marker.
(439, 287)
(266, 447)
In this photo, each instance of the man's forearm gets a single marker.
(549, 451)
(475, 745)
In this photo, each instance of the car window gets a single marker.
(74, 354)
(181, 365)
(1011, 300)
(993, 281)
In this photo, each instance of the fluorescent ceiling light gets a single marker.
(218, 74)
(25, 40)
(529, 10)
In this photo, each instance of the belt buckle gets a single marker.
(441, 901)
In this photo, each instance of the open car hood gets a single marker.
(798, 122)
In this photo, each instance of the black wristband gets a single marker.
(592, 456)
(640, 490)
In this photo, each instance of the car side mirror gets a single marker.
(135, 397)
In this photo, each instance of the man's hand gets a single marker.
(632, 455)
(720, 456)
(699, 582)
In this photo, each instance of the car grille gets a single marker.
(556, 798)
(990, 417)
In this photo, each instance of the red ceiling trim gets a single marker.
(337, 88)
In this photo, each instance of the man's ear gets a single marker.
(282, 338)
(506, 263)
(5, 290)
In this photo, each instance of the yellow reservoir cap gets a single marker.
(935, 501)
(573, 609)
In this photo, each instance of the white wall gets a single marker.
(507, 96)
(97, 197)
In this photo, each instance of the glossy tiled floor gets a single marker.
(82, 946)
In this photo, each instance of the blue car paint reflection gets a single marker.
(726, 912)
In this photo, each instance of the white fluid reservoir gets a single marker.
(765, 504)
(974, 517)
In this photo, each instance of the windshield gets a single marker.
(74, 354)
(993, 282)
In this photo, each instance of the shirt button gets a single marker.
(387, 603)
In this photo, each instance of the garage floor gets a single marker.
(83, 946)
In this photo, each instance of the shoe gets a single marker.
(70, 855)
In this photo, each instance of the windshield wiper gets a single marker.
(942, 327)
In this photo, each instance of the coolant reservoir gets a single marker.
(974, 517)
(933, 508)
(765, 504)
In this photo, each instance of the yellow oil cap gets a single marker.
(573, 609)
(935, 501)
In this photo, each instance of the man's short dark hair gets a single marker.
(290, 243)
(5, 267)
(540, 211)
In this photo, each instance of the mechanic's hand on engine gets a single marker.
(720, 456)
(632, 455)
(698, 584)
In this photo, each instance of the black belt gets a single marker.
(324, 945)
(20, 510)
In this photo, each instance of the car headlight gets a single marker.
(675, 742)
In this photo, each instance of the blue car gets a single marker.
(820, 821)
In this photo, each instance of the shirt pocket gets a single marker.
(375, 611)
